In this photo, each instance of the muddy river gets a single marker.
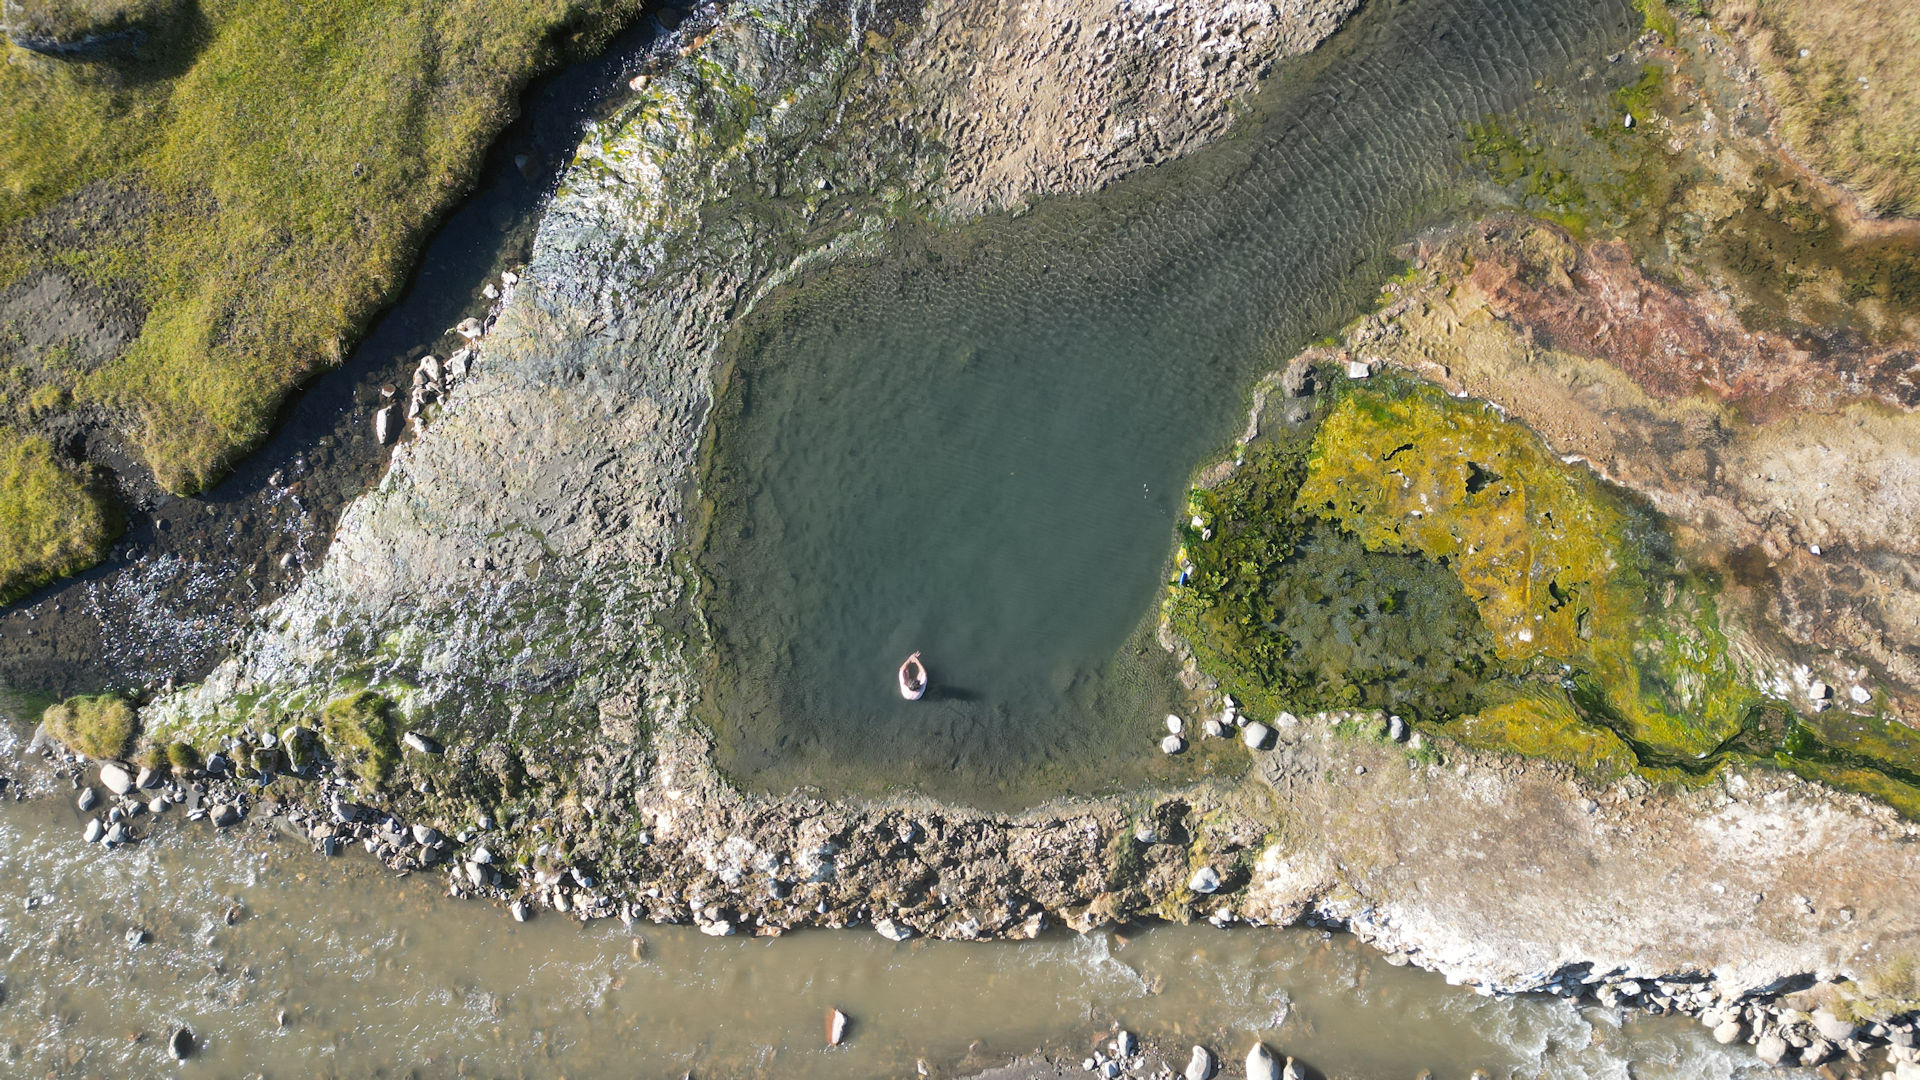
(284, 963)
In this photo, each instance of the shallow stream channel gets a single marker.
(285, 964)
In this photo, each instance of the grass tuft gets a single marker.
(359, 734)
(98, 725)
(51, 522)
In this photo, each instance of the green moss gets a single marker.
(1657, 18)
(358, 731)
(98, 725)
(51, 521)
(182, 757)
(1546, 725)
(280, 163)
(1290, 613)
(1559, 565)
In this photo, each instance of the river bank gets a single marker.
(235, 929)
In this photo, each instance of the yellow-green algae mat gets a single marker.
(1469, 578)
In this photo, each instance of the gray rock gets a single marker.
(89, 799)
(1200, 1064)
(1256, 735)
(1832, 1027)
(1729, 1032)
(146, 779)
(95, 831)
(1292, 1071)
(1771, 1049)
(116, 778)
(520, 911)
(225, 814)
(160, 804)
(422, 744)
(426, 835)
(1125, 1045)
(1261, 1064)
(348, 813)
(386, 424)
(180, 1045)
(1204, 880)
(1396, 729)
(1815, 1052)
(892, 930)
(836, 1027)
(1172, 744)
(482, 856)
(119, 833)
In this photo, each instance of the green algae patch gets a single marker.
(1530, 540)
(1873, 755)
(51, 521)
(1560, 567)
(358, 730)
(1546, 726)
(1290, 613)
(97, 725)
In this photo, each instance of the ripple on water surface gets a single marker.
(976, 444)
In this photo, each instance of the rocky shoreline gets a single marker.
(733, 863)
(503, 550)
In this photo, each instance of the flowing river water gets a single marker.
(378, 976)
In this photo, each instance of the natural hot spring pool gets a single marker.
(976, 443)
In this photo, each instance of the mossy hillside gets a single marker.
(283, 162)
(52, 520)
(97, 725)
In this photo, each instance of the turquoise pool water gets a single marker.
(977, 443)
